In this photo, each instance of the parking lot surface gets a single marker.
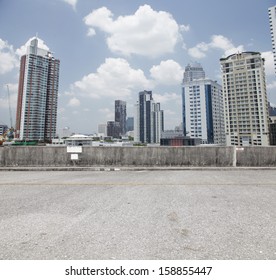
(165, 214)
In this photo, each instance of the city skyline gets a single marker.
(102, 60)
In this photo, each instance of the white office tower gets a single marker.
(272, 21)
(149, 120)
(245, 99)
(202, 103)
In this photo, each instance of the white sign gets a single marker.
(74, 149)
(74, 156)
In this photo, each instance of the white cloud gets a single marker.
(269, 63)
(91, 32)
(217, 42)
(198, 51)
(73, 3)
(147, 32)
(114, 78)
(100, 18)
(23, 49)
(184, 28)
(8, 58)
(74, 102)
(167, 72)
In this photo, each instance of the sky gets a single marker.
(113, 49)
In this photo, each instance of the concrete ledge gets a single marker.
(134, 169)
(137, 157)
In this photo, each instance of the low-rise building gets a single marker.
(177, 138)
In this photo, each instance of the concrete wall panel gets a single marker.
(139, 156)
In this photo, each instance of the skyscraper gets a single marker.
(272, 21)
(113, 129)
(120, 115)
(130, 124)
(36, 114)
(245, 99)
(193, 72)
(202, 107)
(149, 121)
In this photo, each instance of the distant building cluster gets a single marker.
(234, 113)
(121, 124)
(149, 122)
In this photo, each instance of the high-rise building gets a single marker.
(149, 121)
(245, 99)
(36, 115)
(130, 124)
(102, 129)
(272, 21)
(193, 72)
(113, 129)
(120, 115)
(202, 107)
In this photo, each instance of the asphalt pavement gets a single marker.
(162, 214)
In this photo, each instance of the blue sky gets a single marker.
(112, 49)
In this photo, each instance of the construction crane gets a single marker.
(9, 134)
(9, 100)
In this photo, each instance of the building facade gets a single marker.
(113, 129)
(149, 121)
(245, 99)
(193, 72)
(202, 109)
(121, 115)
(36, 114)
(130, 124)
(176, 138)
(102, 129)
(272, 130)
(272, 21)
(3, 129)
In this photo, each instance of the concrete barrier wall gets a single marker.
(256, 156)
(139, 156)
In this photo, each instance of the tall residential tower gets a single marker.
(245, 99)
(36, 115)
(272, 21)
